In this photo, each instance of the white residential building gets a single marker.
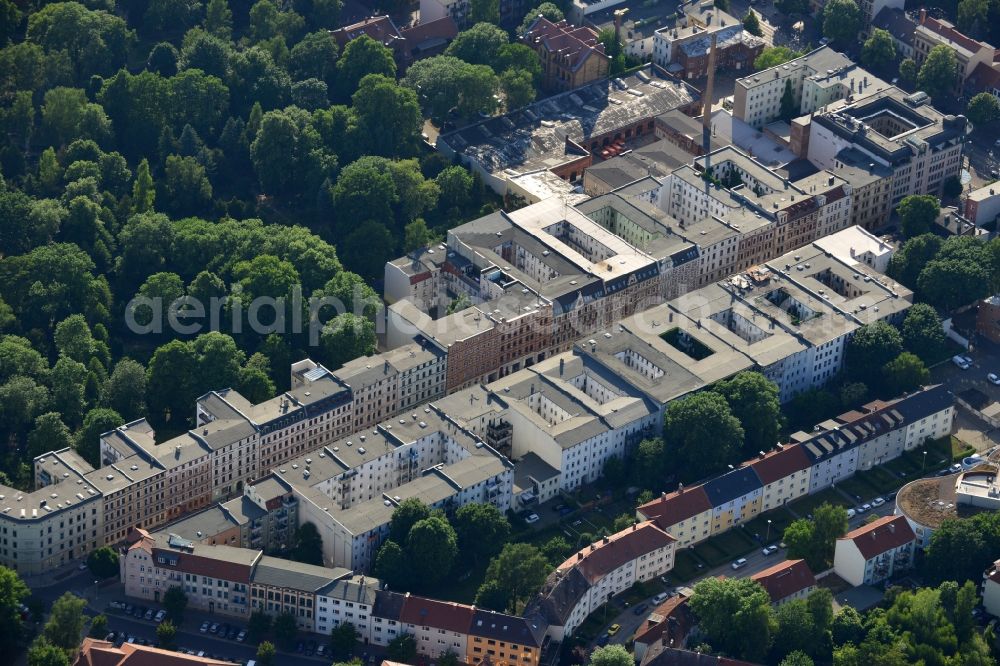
(874, 552)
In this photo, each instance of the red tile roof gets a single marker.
(447, 615)
(671, 620)
(601, 558)
(881, 536)
(575, 43)
(442, 28)
(103, 653)
(948, 31)
(677, 506)
(785, 579)
(779, 464)
(985, 76)
(379, 28)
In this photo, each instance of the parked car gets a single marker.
(955, 469)
(310, 648)
(242, 636)
(214, 629)
(638, 610)
(866, 506)
(660, 598)
(531, 518)
(321, 650)
(139, 612)
(300, 647)
(160, 616)
(769, 550)
(740, 563)
(961, 361)
(851, 513)
(993, 379)
(128, 609)
(862, 508)
(614, 629)
(117, 605)
(878, 501)
(204, 626)
(149, 614)
(602, 640)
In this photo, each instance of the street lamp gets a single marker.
(923, 465)
(768, 538)
(95, 591)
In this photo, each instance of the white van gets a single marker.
(660, 598)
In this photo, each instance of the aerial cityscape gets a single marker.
(499, 333)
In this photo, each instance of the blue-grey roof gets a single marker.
(731, 485)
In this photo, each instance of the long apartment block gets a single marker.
(886, 143)
(835, 450)
(546, 275)
(590, 577)
(235, 582)
(349, 488)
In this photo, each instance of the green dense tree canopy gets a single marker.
(431, 547)
(703, 417)
(753, 400)
(841, 21)
(937, 75)
(983, 109)
(917, 213)
(735, 616)
(773, 56)
(513, 577)
(879, 50)
(13, 592)
(64, 628)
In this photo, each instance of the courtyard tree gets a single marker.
(700, 418)
(841, 21)
(937, 75)
(917, 213)
(879, 50)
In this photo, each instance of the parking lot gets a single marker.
(199, 635)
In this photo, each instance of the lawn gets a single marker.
(960, 449)
(858, 487)
(906, 465)
(711, 553)
(725, 547)
(640, 592)
(685, 566)
(807, 505)
(463, 587)
(882, 480)
(780, 519)
(593, 626)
